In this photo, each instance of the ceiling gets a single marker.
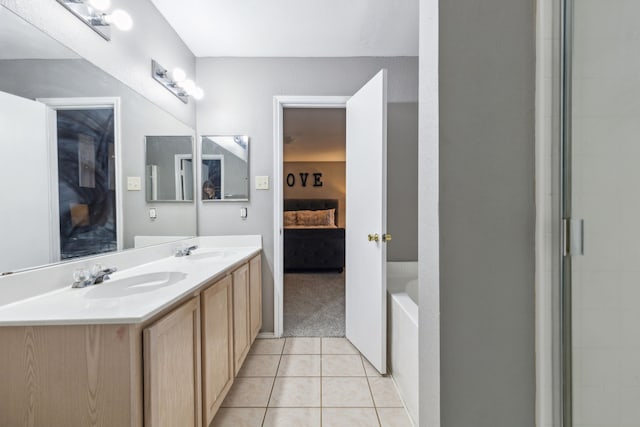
(295, 28)
(314, 134)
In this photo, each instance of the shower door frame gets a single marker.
(566, 212)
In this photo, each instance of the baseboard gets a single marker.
(265, 335)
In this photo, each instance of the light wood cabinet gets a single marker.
(217, 345)
(75, 375)
(172, 368)
(255, 295)
(241, 325)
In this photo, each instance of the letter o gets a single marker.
(291, 180)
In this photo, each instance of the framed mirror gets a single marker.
(225, 168)
(169, 168)
(71, 137)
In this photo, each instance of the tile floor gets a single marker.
(310, 382)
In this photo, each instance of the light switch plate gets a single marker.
(262, 182)
(153, 214)
(134, 183)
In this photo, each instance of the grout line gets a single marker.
(273, 385)
(321, 381)
(375, 407)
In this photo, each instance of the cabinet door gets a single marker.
(241, 332)
(217, 345)
(255, 295)
(172, 368)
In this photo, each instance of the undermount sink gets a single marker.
(205, 254)
(148, 282)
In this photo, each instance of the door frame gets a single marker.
(279, 104)
(55, 104)
(213, 157)
(179, 177)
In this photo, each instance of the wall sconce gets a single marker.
(94, 14)
(176, 82)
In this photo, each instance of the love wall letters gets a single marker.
(317, 179)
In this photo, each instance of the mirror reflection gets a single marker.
(169, 166)
(225, 168)
(67, 156)
(86, 181)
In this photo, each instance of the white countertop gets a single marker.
(116, 301)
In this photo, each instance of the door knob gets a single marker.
(386, 237)
(374, 237)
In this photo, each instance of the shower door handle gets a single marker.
(572, 237)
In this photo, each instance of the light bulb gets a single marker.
(178, 75)
(197, 93)
(189, 86)
(100, 5)
(121, 19)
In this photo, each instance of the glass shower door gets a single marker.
(602, 186)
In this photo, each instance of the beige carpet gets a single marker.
(314, 305)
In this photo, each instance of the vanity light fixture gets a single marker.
(94, 14)
(176, 82)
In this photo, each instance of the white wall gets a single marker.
(606, 290)
(24, 184)
(128, 55)
(239, 101)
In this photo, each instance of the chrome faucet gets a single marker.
(186, 251)
(98, 274)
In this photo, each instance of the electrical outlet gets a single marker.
(153, 214)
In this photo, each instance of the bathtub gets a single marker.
(402, 289)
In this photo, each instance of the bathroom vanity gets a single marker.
(158, 344)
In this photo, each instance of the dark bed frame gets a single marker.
(313, 249)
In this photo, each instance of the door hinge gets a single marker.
(572, 237)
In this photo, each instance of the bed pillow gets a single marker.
(313, 218)
(290, 218)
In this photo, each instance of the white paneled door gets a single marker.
(24, 171)
(366, 221)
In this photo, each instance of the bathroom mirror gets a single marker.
(169, 168)
(40, 77)
(225, 168)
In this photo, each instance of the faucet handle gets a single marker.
(97, 268)
(81, 277)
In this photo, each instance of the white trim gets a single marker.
(279, 104)
(54, 216)
(91, 102)
(266, 335)
(428, 216)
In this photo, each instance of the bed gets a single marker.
(312, 240)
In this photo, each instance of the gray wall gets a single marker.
(487, 65)
(239, 101)
(402, 181)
